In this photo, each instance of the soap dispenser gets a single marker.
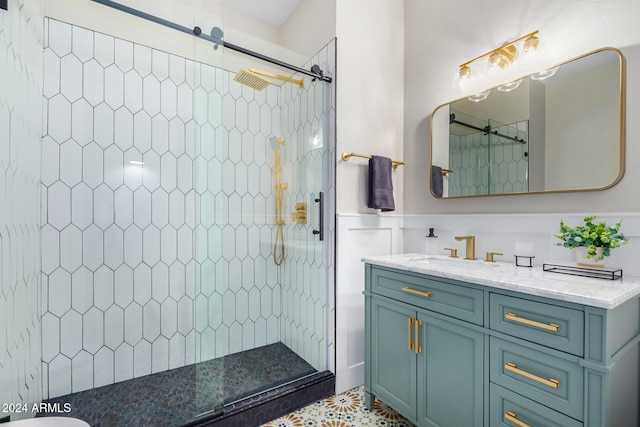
(431, 245)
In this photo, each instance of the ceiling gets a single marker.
(274, 12)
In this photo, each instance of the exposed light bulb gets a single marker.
(464, 72)
(503, 57)
(545, 74)
(508, 87)
(531, 43)
(479, 96)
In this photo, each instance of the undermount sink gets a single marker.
(446, 261)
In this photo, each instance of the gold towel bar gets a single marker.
(346, 156)
(446, 171)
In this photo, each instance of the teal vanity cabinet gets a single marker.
(449, 352)
(426, 365)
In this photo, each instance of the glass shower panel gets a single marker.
(210, 145)
(508, 157)
(261, 166)
(304, 272)
(489, 157)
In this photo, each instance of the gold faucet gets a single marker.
(453, 252)
(471, 246)
(490, 255)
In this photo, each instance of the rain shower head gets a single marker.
(275, 142)
(253, 78)
(247, 78)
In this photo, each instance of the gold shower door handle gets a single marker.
(511, 416)
(410, 321)
(549, 327)
(553, 383)
(416, 292)
(417, 345)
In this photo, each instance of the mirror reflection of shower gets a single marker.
(278, 242)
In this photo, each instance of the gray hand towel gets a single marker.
(380, 194)
(436, 181)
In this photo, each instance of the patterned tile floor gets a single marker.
(342, 410)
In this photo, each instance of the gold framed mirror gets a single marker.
(559, 130)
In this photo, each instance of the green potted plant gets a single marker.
(595, 239)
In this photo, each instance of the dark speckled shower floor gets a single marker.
(180, 396)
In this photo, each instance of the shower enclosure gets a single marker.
(163, 280)
(486, 156)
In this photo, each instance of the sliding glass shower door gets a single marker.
(260, 179)
(488, 157)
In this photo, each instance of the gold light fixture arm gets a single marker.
(505, 48)
(278, 76)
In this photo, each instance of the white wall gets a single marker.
(573, 130)
(369, 94)
(309, 27)
(443, 34)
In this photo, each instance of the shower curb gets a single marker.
(264, 407)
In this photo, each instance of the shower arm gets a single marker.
(215, 39)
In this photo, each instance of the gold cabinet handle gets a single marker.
(549, 327)
(414, 291)
(409, 342)
(550, 382)
(417, 346)
(510, 416)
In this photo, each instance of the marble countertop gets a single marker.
(595, 292)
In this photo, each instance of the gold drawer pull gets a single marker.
(417, 346)
(510, 416)
(409, 342)
(413, 291)
(550, 382)
(549, 327)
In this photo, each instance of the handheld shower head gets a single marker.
(275, 142)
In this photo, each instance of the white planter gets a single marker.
(582, 260)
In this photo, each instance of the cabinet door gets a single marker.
(393, 359)
(450, 369)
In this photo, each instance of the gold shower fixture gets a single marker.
(503, 56)
(278, 242)
(254, 78)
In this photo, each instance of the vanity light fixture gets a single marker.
(503, 56)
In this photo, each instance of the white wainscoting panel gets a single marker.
(357, 236)
(503, 232)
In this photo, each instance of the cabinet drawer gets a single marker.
(552, 381)
(553, 326)
(429, 293)
(506, 406)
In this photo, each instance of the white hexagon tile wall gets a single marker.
(148, 267)
(489, 165)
